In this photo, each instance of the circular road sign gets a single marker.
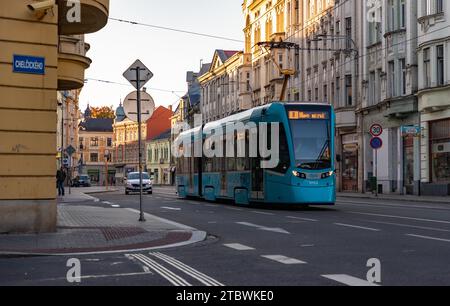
(376, 143)
(147, 106)
(376, 130)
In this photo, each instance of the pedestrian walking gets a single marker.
(60, 179)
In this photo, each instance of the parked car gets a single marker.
(132, 183)
(82, 181)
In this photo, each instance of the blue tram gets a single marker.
(304, 173)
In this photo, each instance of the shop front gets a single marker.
(349, 168)
(440, 151)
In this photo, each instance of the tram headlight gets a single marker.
(299, 174)
(327, 174)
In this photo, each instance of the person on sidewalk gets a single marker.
(60, 179)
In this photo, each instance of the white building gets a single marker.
(329, 37)
(434, 92)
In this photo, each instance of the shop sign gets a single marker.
(410, 130)
(28, 64)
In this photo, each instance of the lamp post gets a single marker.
(107, 156)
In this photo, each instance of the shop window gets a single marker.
(440, 151)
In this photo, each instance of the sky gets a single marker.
(169, 55)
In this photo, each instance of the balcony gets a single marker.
(345, 118)
(72, 62)
(94, 16)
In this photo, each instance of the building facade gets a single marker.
(433, 96)
(158, 158)
(29, 103)
(225, 87)
(389, 87)
(125, 154)
(95, 147)
(265, 21)
(68, 118)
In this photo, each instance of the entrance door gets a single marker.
(350, 168)
(257, 179)
(408, 164)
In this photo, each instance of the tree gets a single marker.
(103, 112)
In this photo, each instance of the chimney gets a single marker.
(144, 89)
(170, 107)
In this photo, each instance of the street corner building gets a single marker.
(42, 52)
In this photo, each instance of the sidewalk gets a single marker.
(396, 197)
(78, 195)
(92, 230)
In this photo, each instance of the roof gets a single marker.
(224, 55)
(165, 135)
(97, 125)
(159, 122)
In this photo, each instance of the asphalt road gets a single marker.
(257, 246)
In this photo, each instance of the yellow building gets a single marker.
(158, 158)
(37, 58)
(265, 21)
(230, 75)
(125, 153)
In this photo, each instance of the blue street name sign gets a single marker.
(376, 143)
(28, 64)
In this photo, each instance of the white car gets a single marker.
(132, 183)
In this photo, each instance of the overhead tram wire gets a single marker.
(176, 30)
(408, 41)
(129, 85)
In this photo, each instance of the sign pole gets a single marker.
(138, 81)
(376, 173)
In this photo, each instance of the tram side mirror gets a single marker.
(338, 158)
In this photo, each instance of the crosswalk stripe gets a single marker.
(238, 246)
(204, 279)
(283, 259)
(174, 279)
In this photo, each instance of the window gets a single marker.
(391, 76)
(439, 6)
(426, 68)
(348, 90)
(94, 157)
(94, 141)
(348, 33)
(372, 88)
(109, 142)
(402, 14)
(440, 65)
(403, 75)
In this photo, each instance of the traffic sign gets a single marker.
(70, 150)
(147, 106)
(376, 143)
(376, 130)
(131, 74)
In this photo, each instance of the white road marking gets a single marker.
(400, 217)
(349, 280)
(173, 278)
(99, 276)
(303, 219)
(262, 213)
(410, 226)
(283, 259)
(170, 208)
(115, 206)
(428, 237)
(233, 208)
(204, 279)
(359, 227)
(387, 204)
(106, 202)
(239, 247)
(264, 228)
